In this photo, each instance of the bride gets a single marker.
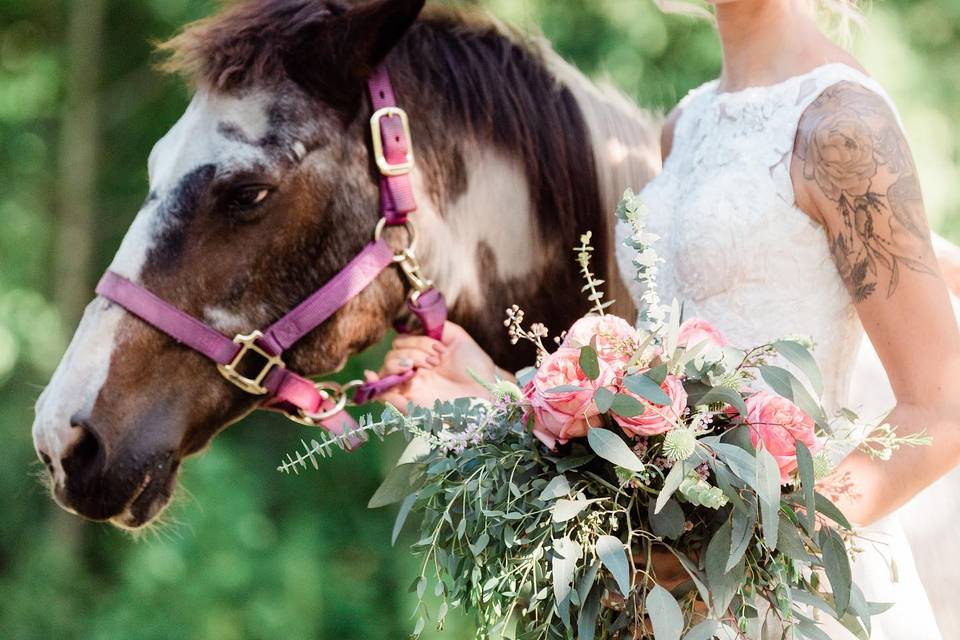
(789, 203)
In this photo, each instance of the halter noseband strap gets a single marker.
(300, 399)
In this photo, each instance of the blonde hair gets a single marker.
(844, 14)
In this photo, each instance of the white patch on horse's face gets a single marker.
(193, 141)
(495, 211)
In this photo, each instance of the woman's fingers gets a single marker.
(392, 396)
(402, 360)
(419, 343)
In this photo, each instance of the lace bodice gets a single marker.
(736, 249)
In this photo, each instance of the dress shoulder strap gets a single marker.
(813, 84)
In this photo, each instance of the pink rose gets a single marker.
(694, 331)
(616, 338)
(780, 424)
(657, 419)
(561, 415)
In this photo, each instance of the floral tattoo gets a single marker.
(849, 145)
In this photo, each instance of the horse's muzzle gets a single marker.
(129, 488)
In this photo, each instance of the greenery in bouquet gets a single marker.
(546, 511)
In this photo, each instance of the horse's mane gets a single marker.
(483, 79)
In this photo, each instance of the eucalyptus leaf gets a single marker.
(670, 485)
(564, 509)
(810, 631)
(566, 554)
(480, 544)
(589, 613)
(658, 373)
(742, 464)
(814, 601)
(647, 389)
(876, 608)
(525, 375)
(556, 488)
(611, 447)
(565, 464)
(790, 544)
(802, 359)
(778, 379)
(836, 562)
(405, 508)
(613, 554)
(807, 480)
(768, 490)
(741, 437)
(402, 480)
(860, 607)
(669, 521)
(589, 363)
(603, 398)
(587, 580)
(723, 584)
(706, 630)
(627, 406)
(665, 614)
(830, 510)
(566, 388)
(854, 626)
(743, 523)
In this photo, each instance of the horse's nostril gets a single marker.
(85, 458)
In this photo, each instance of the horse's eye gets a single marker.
(249, 197)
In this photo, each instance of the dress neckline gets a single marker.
(762, 88)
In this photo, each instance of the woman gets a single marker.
(789, 204)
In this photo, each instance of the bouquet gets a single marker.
(543, 510)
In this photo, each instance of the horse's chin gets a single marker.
(148, 501)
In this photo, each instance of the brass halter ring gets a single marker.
(411, 234)
(331, 390)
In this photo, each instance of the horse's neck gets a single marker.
(485, 245)
(626, 148)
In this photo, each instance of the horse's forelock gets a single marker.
(326, 47)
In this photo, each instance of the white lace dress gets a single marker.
(738, 252)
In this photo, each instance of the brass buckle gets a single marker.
(386, 168)
(247, 344)
(328, 390)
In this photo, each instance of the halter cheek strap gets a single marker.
(300, 399)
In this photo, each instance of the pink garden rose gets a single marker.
(657, 419)
(780, 424)
(614, 337)
(694, 331)
(561, 415)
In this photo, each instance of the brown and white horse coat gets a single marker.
(265, 188)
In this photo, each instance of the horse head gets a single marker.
(259, 194)
(267, 187)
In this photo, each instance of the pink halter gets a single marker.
(300, 399)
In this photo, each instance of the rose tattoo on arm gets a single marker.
(859, 169)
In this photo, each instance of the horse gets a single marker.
(268, 186)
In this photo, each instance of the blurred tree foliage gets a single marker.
(248, 553)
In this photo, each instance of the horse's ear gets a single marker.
(333, 54)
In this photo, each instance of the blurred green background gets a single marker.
(246, 552)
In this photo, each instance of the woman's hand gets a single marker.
(443, 368)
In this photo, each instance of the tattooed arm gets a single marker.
(853, 172)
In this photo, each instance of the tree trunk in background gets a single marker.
(76, 195)
(78, 156)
